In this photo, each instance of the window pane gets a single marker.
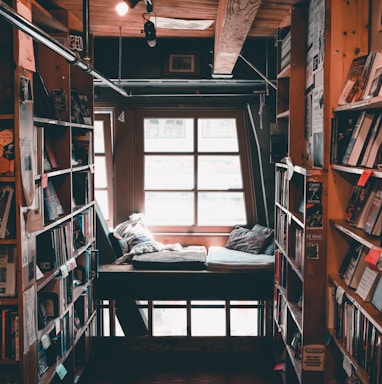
(244, 321)
(210, 210)
(208, 322)
(219, 172)
(100, 180)
(169, 172)
(169, 208)
(102, 200)
(99, 140)
(169, 322)
(168, 135)
(217, 135)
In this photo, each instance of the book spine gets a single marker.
(3, 333)
(353, 138)
(360, 140)
(17, 337)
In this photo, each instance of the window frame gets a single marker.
(195, 113)
(107, 118)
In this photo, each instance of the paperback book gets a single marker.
(353, 80)
(7, 270)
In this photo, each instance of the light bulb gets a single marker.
(122, 8)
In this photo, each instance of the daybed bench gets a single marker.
(192, 272)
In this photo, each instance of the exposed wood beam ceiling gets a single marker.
(234, 21)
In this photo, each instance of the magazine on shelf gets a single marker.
(6, 196)
(7, 270)
(353, 79)
(7, 154)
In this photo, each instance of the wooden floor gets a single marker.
(182, 368)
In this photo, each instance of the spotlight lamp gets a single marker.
(149, 6)
(122, 8)
(149, 29)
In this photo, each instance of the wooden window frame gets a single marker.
(195, 113)
(107, 118)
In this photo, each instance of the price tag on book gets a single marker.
(61, 371)
(45, 341)
(347, 366)
(364, 177)
(44, 180)
(71, 264)
(57, 325)
(374, 258)
(340, 295)
(64, 270)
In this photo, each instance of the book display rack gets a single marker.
(300, 222)
(299, 304)
(290, 90)
(354, 314)
(355, 318)
(47, 237)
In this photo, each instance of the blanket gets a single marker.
(192, 257)
(221, 258)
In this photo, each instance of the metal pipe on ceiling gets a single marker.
(258, 72)
(24, 25)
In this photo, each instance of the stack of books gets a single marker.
(364, 207)
(357, 140)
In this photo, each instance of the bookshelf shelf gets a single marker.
(285, 72)
(356, 170)
(361, 357)
(372, 103)
(8, 301)
(368, 309)
(354, 233)
(291, 87)
(54, 235)
(283, 115)
(300, 266)
(7, 116)
(362, 375)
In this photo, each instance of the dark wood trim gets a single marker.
(111, 345)
(121, 282)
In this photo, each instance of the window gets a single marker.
(196, 318)
(103, 164)
(195, 170)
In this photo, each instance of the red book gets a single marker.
(51, 155)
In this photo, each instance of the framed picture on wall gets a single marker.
(182, 64)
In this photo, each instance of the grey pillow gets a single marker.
(254, 240)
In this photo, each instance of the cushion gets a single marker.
(190, 258)
(254, 240)
(222, 258)
(134, 237)
(270, 248)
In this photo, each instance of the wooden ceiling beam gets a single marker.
(234, 20)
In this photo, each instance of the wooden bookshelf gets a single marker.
(291, 86)
(342, 48)
(52, 313)
(300, 217)
(299, 309)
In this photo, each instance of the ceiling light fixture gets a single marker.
(149, 26)
(122, 8)
(149, 29)
(149, 6)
